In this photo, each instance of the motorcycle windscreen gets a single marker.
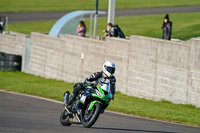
(105, 87)
(104, 84)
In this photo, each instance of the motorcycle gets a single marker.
(88, 105)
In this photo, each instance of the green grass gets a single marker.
(49, 88)
(162, 110)
(28, 27)
(33, 85)
(68, 5)
(185, 25)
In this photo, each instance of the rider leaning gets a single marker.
(106, 74)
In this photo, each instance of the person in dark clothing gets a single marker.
(106, 75)
(1, 26)
(167, 28)
(111, 32)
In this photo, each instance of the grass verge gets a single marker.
(53, 89)
(145, 25)
(67, 5)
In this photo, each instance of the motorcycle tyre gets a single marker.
(95, 116)
(64, 121)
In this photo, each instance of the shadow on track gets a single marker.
(130, 130)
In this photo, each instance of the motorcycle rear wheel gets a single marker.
(64, 119)
(90, 116)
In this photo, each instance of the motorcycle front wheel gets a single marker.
(90, 116)
(64, 118)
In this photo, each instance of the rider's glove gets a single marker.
(84, 84)
(88, 84)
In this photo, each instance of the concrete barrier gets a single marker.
(149, 68)
(194, 75)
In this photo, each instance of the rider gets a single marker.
(106, 74)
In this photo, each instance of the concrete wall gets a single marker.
(194, 75)
(146, 67)
(73, 58)
(159, 69)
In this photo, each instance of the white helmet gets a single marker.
(109, 68)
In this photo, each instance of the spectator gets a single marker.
(111, 32)
(167, 28)
(81, 29)
(1, 26)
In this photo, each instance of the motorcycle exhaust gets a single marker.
(66, 97)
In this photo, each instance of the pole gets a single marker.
(91, 18)
(95, 19)
(111, 11)
(7, 25)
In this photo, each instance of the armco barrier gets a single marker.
(149, 68)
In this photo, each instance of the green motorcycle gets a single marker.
(88, 105)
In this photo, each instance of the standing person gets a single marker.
(1, 26)
(81, 29)
(167, 28)
(111, 32)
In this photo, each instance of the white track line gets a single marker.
(31, 96)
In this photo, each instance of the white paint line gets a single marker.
(31, 96)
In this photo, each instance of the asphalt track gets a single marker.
(24, 114)
(39, 16)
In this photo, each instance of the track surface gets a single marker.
(25, 114)
(38, 16)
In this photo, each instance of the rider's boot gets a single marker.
(77, 87)
(71, 100)
(74, 94)
(68, 105)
